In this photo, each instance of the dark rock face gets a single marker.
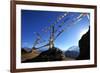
(84, 45)
(53, 54)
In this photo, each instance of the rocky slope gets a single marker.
(53, 54)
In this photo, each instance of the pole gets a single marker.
(51, 41)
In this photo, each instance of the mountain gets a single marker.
(74, 48)
(72, 52)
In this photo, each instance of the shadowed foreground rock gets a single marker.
(84, 45)
(53, 54)
(25, 55)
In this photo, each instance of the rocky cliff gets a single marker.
(84, 45)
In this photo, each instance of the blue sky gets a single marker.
(36, 21)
